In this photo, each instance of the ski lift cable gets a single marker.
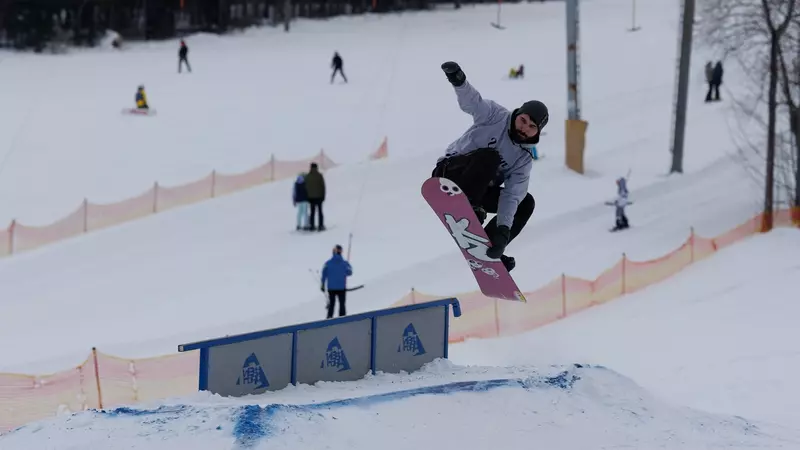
(399, 38)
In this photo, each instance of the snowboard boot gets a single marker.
(508, 261)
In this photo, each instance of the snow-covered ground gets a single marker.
(571, 408)
(232, 264)
(717, 337)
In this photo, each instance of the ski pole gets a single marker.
(318, 280)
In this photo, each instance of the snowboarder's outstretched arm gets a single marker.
(516, 188)
(469, 99)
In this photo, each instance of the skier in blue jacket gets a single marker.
(494, 151)
(335, 272)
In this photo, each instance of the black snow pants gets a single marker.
(332, 295)
(341, 72)
(474, 173)
(183, 60)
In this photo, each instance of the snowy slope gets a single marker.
(721, 336)
(573, 407)
(702, 361)
(718, 338)
(232, 265)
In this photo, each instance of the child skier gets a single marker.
(495, 150)
(620, 203)
(300, 201)
(141, 99)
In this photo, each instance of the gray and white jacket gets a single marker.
(490, 127)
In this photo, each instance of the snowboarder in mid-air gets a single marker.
(494, 151)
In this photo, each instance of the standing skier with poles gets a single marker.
(494, 150)
(335, 273)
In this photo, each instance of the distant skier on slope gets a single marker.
(620, 203)
(495, 150)
(141, 99)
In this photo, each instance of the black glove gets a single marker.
(454, 73)
(322, 288)
(499, 241)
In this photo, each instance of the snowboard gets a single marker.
(139, 112)
(454, 211)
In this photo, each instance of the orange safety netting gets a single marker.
(484, 317)
(90, 216)
(108, 381)
(102, 381)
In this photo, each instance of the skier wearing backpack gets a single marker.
(495, 150)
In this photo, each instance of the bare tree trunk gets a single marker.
(797, 164)
(287, 14)
(776, 32)
(772, 105)
(795, 118)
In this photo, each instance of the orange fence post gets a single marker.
(691, 244)
(97, 379)
(624, 258)
(413, 300)
(85, 215)
(155, 197)
(11, 229)
(272, 167)
(563, 295)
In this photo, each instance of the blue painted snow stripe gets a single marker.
(258, 420)
(252, 423)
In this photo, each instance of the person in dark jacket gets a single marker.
(335, 273)
(337, 65)
(300, 201)
(716, 80)
(315, 189)
(182, 57)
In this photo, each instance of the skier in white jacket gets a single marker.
(620, 203)
(494, 151)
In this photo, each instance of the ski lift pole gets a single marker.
(499, 7)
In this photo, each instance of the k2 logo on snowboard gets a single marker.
(474, 245)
